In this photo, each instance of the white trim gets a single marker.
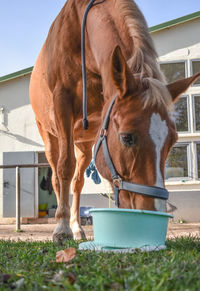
(193, 108)
(196, 161)
(191, 70)
(190, 114)
(189, 161)
(194, 164)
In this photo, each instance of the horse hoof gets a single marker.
(78, 235)
(78, 232)
(61, 238)
(62, 233)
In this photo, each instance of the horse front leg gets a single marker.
(83, 158)
(65, 170)
(65, 164)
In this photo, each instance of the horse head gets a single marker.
(141, 131)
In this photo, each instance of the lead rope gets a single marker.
(84, 77)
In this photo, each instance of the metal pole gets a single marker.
(17, 198)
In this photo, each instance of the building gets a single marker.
(178, 45)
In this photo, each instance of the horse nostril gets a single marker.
(128, 139)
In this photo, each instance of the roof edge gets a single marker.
(174, 22)
(16, 74)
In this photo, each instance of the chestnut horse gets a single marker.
(120, 59)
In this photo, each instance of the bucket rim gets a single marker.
(124, 210)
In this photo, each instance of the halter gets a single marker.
(118, 183)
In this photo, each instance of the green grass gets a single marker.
(32, 266)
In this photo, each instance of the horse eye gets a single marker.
(128, 139)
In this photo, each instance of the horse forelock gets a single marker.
(144, 57)
(158, 95)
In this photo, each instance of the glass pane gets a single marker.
(176, 164)
(181, 114)
(197, 112)
(196, 69)
(173, 71)
(198, 159)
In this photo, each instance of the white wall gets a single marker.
(179, 39)
(19, 131)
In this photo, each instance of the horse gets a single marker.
(121, 61)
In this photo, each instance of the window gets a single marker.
(181, 114)
(177, 164)
(197, 112)
(183, 162)
(196, 69)
(173, 71)
(198, 159)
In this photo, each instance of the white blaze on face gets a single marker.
(158, 131)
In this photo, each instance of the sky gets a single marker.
(24, 26)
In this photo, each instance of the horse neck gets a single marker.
(106, 28)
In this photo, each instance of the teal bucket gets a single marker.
(127, 229)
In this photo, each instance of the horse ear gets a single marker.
(180, 86)
(122, 77)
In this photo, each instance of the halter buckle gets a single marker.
(117, 182)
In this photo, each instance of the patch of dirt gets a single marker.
(43, 232)
(183, 229)
(33, 232)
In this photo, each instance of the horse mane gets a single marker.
(144, 58)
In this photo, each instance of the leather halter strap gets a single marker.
(118, 183)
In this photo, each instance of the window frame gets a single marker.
(196, 160)
(191, 71)
(176, 61)
(193, 109)
(188, 116)
(189, 164)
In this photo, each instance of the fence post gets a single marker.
(17, 199)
